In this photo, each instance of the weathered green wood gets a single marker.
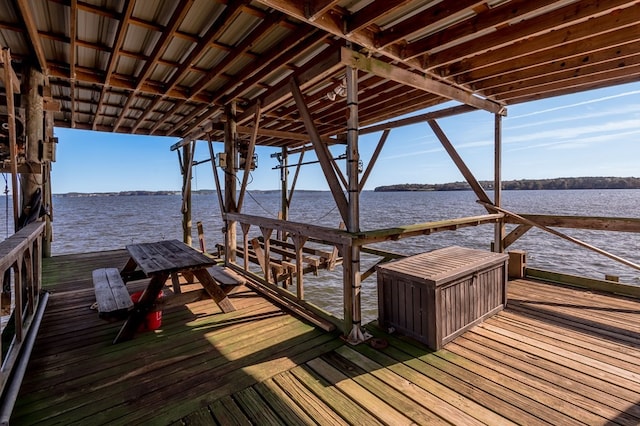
(198, 368)
(538, 379)
(226, 412)
(313, 405)
(525, 388)
(246, 372)
(621, 224)
(202, 417)
(256, 409)
(416, 358)
(438, 391)
(593, 284)
(288, 410)
(405, 231)
(346, 408)
(366, 399)
(397, 401)
(440, 406)
(595, 392)
(569, 350)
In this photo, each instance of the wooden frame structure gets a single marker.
(275, 71)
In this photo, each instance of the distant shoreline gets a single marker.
(523, 184)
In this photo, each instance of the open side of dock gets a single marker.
(555, 355)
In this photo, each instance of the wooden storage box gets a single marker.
(435, 296)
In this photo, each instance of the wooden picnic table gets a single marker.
(158, 260)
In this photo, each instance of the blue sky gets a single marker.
(595, 133)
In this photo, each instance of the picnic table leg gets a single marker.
(217, 294)
(142, 308)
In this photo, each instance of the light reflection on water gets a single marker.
(103, 223)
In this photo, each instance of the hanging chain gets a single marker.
(6, 204)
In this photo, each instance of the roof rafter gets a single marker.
(523, 31)
(32, 30)
(123, 22)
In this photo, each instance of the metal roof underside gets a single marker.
(168, 67)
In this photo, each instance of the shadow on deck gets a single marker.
(555, 355)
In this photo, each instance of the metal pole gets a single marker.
(230, 188)
(353, 284)
(497, 183)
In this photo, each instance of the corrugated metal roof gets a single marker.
(168, 67)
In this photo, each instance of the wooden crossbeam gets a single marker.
(412, 79)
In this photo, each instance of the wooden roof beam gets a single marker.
(177, 17)
(526, 30)
(32, 30)
(226, 18)
(334, 23)
(370, 13)
(326, 65)
(579, 66)
(447, 112)
(296, 136)
(247, 43)
(73, 22)
(426, 18)
(569, 83)
(395, 73)
(296, 43)
(123, 22)
(603, 32)
(496, 17)
(315, 9)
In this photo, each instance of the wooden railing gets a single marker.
(21, 267)
(284, 260)
(311, 247)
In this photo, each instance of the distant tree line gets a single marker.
(557, 183)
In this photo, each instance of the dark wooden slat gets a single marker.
(345, 407)
(256, 409)
(313, 404)
(574, 393)
(287, 409)
(396, 399)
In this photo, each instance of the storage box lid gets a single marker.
(443, 265)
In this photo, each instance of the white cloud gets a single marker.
(590, 101)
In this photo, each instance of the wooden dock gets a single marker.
(556, 355)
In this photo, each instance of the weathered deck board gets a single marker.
(555, 355)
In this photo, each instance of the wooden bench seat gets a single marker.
(112, 297)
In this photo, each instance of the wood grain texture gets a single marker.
(555, 355)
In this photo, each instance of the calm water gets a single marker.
(102, 223)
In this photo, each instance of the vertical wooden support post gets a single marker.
(230, 189)
(498, 245)
(30, 283)
(216, 178)
(299, 241)
(18, 310)
(284, 189)
(245, 244)
(352, 274)
(30, 183)
(47, 191)
(10, 84)
(266, 234)
(48, 201)
(187, 154)
(203, 245)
